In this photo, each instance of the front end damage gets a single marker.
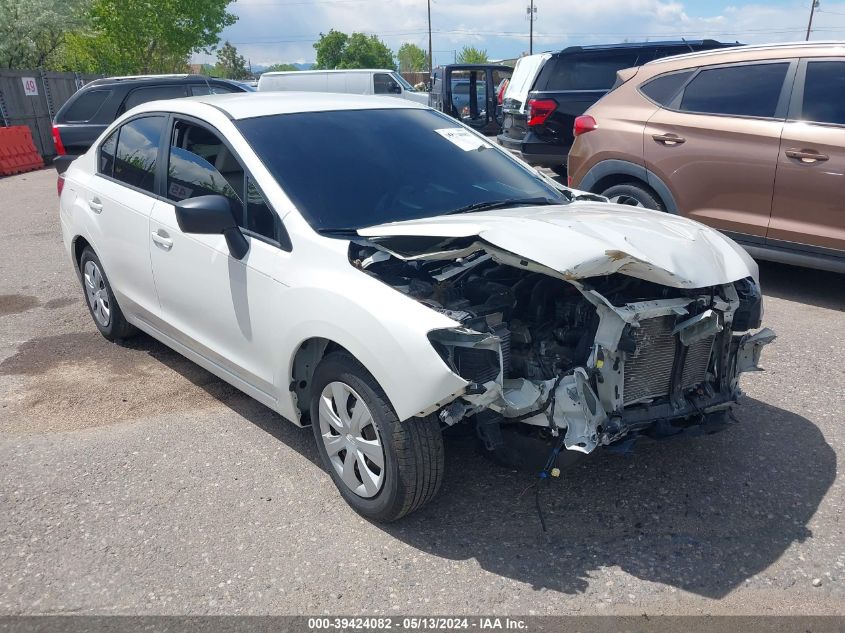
(582, 362)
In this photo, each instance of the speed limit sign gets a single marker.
(30, 88)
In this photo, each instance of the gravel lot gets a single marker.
(132, 481)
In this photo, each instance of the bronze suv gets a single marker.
(749, 140)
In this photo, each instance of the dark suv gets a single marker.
(548, 90)
(89, 111)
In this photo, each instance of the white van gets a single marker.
(357, 81)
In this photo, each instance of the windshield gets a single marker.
(349, 169)
(407, 86)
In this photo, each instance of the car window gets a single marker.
(151, 93)
(137, 151)
(200, 164)
(85, 106)
(824, 85)
(747, 90)
(661, 89)
(105, 164)
(588, 72)
(384, 84)
(386, 165)
(213, 89)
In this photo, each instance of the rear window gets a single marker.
(747, 90)
(137, 152)
(823, 89)
(663, 88)
(152, 93)
(588, 72)
(86, 105)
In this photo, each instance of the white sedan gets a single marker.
(376, 270)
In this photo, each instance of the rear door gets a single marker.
(120, 202)
(808, 201)
(716, 144)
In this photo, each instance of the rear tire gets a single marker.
(635, 195)
(350, 416)
(106, 313)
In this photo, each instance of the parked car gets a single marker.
(355, 82)
(749, 141)
(91, 109)
(381, 295)
(470, 93)
(549, 90)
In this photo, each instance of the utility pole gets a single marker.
(531, 10)
(813, 6)
(430, 67)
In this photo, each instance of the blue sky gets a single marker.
(271, 31)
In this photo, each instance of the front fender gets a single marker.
(386, 333)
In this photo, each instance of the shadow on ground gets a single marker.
(700, 514)
(803, 285)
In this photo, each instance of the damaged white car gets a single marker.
(380, 272)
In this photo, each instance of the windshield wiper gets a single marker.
(500, 204)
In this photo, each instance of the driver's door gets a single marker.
(224, 309)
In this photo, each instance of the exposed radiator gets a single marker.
(648, 370)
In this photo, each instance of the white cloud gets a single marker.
(284, 30)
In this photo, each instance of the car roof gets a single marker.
(319, 72)
(634, 45)
(247, 105)
(750, 53)
(157, 79)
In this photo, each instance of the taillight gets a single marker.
(539, 110)
(57, 142)
(60, 184)
(583, 124)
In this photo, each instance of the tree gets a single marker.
(472, 55)
(411, 58)
(231, 65)
(338, 50)
(147, 36)
(32, 32)
(280, 68)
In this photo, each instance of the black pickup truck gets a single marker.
(548, 90)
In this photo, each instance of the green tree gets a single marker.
(147, 36)
(411, 58)
(32, 32)
(472, 55)
(280, 68)
(330, 48)
(338, 50)
(230, 64)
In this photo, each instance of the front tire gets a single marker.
(383, 467)
(634, 195)
(100, 300)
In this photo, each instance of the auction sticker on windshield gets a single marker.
(464, 139)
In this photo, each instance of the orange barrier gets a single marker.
(17, 151)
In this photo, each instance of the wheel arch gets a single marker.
(608, 173)
(78, 244)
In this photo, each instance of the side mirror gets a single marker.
(212, 215)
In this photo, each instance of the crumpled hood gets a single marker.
(580, 240)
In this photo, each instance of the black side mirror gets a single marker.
(212, 215)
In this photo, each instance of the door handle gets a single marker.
(807, 155)
(95, 205)
(161, 238)
(669, 139)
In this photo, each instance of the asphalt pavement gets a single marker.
(134, 482)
